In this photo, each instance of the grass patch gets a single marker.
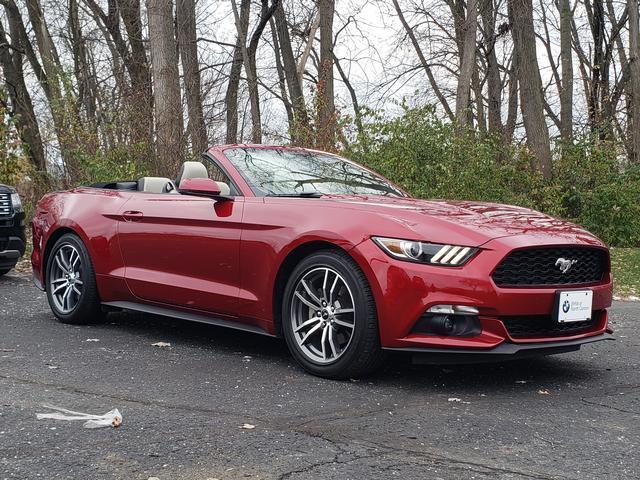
(625, 265)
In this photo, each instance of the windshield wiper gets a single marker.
(296, 195)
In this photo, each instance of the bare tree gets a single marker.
(166, 86)
(326, 99)
(566, 60)
(528, 74)
(187, 41)
(467, 65)
(634, 79)
(494, 84)
(22, 110)
(231, 98)
(301, 119)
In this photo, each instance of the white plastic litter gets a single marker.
(161, 344)
(112, 418)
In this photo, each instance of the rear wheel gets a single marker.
(71, 284)
(329, 317)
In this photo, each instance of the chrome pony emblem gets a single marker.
(565, 264)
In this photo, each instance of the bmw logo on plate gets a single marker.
(566, 306)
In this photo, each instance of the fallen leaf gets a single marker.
(544, 392)
(93, 340)
(161, 344)
(247, 426)
(453, 399)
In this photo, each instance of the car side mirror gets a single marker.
(202, 187)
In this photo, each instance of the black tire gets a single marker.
(363, 354)
(87, 308)
(4, 271)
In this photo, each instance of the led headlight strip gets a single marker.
(425, 252)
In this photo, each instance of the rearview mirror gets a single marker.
(204, 187)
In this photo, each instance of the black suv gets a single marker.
(12, 237)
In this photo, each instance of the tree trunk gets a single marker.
(566, 60)
(598, 33)
(231, 97)
(187, 40)
(266, 12)
(634, 79)
(494, 86)
(282, 83)
(530, 84)
(87, 87)
(467, 63)
(138, 67)
(300, 128)
(166, 86)
(23, 112)
(326, 105)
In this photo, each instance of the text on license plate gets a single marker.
(574, 306)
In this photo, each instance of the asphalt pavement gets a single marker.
(573, 416)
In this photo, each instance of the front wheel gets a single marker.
(71, 283)
(329, 317)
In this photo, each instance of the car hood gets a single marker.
(468, 222)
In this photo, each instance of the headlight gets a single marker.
(423, 252)
(17, 203)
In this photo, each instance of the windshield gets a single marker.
(299, 172)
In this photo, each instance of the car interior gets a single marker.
(166, 185)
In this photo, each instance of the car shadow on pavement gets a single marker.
(398, 370)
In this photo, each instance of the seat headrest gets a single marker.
(156, 185)
(191, 170)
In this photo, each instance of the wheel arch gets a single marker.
(51, 241)
(289, 263)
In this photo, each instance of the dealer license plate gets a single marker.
(574, 306)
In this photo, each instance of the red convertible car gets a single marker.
(327, 254)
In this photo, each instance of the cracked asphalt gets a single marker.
(574, 416)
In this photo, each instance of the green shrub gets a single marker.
(425, 156)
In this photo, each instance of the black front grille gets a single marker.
(540, 266)
(545, 326)
(5, 204)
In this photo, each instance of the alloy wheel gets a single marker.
(65, 280)
(322, 315)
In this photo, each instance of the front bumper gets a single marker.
(11, 249)
(404, 291)
(504, 351)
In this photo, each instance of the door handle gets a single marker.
(132, 216)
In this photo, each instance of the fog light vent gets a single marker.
(448, 324)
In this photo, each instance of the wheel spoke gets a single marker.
(311, 321)
(331, 342)
(59, 263)
(324, 284)
(335, 281)
(309, 333)
(340, 311)
(307, 302)
(75, 258)
(310, 293)
(58, 288)
(75, 289)
(65, 298)
(323, 341)
(65, 260)
(343, 324)
(58, 280)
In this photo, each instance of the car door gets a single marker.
(183, 250)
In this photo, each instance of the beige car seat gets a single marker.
(198, 170)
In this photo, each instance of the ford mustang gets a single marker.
(331, 256)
